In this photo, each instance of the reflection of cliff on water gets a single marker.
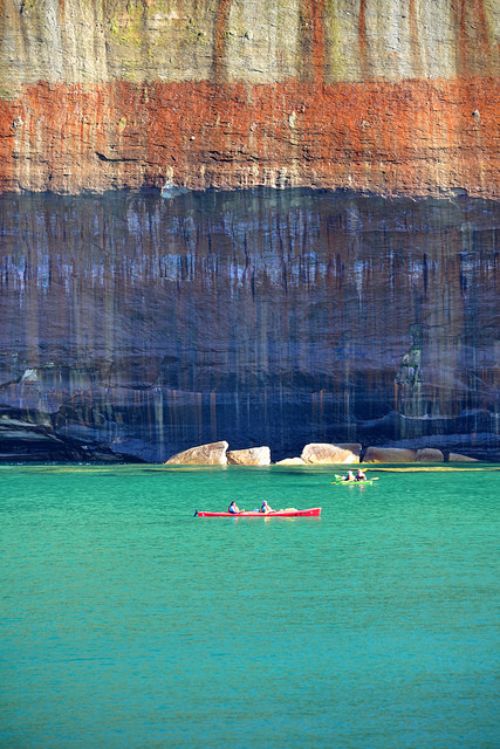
(262, 318)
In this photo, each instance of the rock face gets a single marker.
(213, 454)
(389, 455)
(324, 453)
(269, 317)
(252, 456)
(377, 95)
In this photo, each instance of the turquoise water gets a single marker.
(127, 622)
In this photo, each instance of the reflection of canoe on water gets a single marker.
(339, 480)
(290, 512)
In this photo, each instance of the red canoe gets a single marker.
(314, 512)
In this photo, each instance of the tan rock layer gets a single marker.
(255, 41)
(414, 137)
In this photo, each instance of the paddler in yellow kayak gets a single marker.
(349, 477)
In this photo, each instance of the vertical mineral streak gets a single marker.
(413, 20)
(313, 41)
(219, 67)
(473, 50)
(362, 39)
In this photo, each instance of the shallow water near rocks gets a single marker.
(126, 621)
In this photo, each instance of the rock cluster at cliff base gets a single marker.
(314, 453)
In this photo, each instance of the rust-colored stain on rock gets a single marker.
(377, 95)
(409, 137)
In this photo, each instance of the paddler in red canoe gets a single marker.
(233, 508)
(265, 507)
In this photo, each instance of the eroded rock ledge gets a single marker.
(22, 441)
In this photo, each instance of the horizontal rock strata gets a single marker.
(413, 137)
(376, 95)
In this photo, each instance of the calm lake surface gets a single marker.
(127, 622)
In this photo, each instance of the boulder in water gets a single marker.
(458, 458)
(251, 456)
(211, 454)
(389, 455)
(429, 455)
(325, 453)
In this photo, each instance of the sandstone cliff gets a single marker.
(263, 318)
(391, 96)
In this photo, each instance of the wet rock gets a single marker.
(211, 454)
(459, 458)
(389, 455)
(329, 454)
(430, 455)
(252, 456)
(290, 462)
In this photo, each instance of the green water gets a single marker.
(127, 622)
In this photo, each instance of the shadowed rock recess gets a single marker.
(262, 318)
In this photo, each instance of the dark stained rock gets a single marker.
(271, 318)
(23, 442)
